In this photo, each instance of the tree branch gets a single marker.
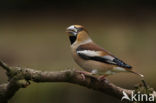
(20, 77)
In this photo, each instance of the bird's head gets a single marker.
(77, 33)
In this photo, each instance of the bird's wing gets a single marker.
(93, 52)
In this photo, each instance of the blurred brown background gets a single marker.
(32, 34)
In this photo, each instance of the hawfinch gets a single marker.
(91, 57)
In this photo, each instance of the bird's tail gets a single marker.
(142, 76)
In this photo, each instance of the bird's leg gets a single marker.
(102, 78)
(84, 74)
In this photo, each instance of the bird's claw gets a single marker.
(84, 74)
(102, 78)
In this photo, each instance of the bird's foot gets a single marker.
(84, 74)
(102, 78)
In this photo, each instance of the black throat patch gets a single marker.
(72, 39)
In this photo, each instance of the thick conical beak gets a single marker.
(71, 30)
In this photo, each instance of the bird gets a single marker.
(94, 59)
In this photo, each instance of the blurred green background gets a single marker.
(32, 34)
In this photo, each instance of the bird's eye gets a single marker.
(79, 29)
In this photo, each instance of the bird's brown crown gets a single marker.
(79, 26)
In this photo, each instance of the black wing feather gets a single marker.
(121, 63)
(115, 61)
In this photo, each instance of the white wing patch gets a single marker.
(89, 53)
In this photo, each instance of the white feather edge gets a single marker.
(109, 57)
